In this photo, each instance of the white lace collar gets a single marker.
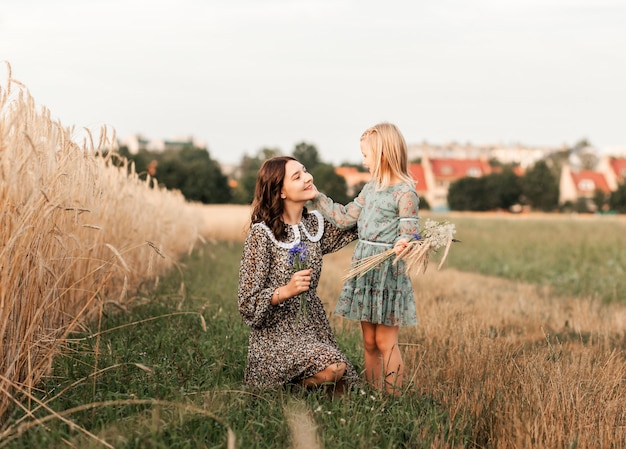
(296, 232)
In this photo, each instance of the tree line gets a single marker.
(537, 189)
(199, 178)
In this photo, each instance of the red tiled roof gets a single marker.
(589, 181)
(453, 169)
(519, 171)
(619, 167)
(417, 173)
(352, 175)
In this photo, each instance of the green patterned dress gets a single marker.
(384, 295)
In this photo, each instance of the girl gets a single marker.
(290, 341)
(386, 212)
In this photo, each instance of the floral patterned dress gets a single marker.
(285, 345)
(383, 295)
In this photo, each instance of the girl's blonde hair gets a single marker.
(390, 154)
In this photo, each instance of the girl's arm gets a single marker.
(339, 215)
(408, 208)
(336, 238)
(254, 295)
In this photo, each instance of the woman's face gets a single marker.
(298, 183)
(368, 154)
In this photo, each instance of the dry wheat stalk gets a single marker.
(416, 254)
(74, 222)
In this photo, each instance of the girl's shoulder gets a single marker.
(401, 188)
(405, 186)
(397, 188)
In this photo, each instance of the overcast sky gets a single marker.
(246, 74)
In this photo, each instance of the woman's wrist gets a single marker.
(281, 294)
(275, 297)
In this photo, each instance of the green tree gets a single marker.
(617, 200)
(195, 174)
(189, 170)
(307, 155)
(329, 182)
(494, 191)
(540, 187)
(469, 194)
(142, 159)
(601, 199)
(248, 171)
(504, 188)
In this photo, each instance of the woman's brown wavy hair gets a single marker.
(267, 205)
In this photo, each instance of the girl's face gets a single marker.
(368, 154)
(298, 183)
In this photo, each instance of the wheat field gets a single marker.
(79, 230)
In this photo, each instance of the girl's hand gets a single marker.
(400, 246)
(300, 281)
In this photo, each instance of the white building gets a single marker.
(137, 142)
(521, 155)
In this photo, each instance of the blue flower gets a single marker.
(416, 236)
(297, 259)
(297, 256)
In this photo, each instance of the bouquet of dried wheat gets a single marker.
(416, 255)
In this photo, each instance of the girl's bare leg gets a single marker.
(373, 356)
(387, 344)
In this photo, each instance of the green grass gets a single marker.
(165, 382)
(576, 257)
(160, 352)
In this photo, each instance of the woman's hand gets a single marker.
(300, 281)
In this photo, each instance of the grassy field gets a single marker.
(580, 256)
(183, 350)
(110, 340)
(493, 363)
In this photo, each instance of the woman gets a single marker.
(290, 339)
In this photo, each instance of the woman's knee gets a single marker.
(339, 370)
(332, 373)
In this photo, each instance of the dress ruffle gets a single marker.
(383, 295)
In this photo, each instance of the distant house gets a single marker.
(354, 178)
(440, 173)
(433, 177)
(614, 169)
(581, 184)
(421, 185)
